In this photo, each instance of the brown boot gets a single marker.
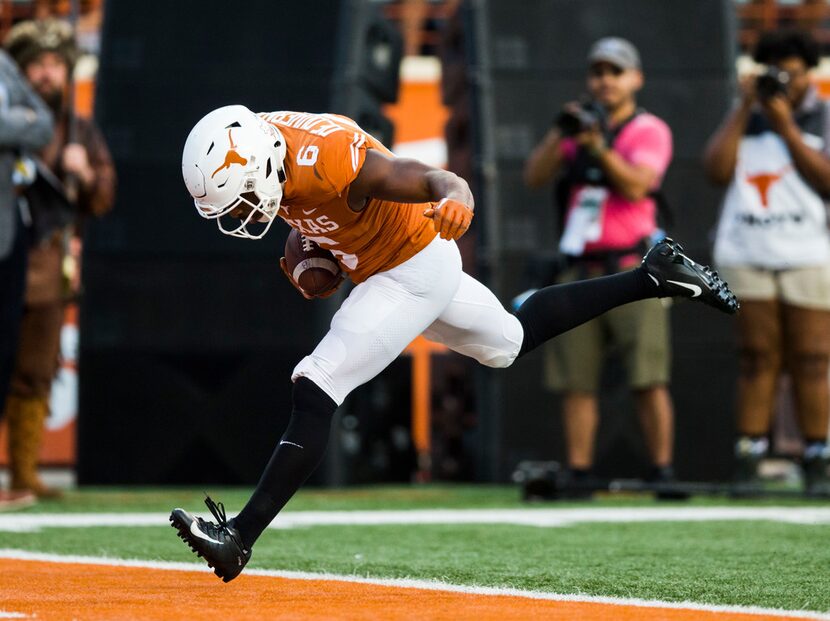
(26, 417)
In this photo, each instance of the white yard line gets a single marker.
(431, 585)
(545, 518)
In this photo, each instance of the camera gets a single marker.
(771, 83)
(572, 121)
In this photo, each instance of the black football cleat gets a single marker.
(678, 275)
(219, 544)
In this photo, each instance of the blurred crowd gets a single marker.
(55, 170)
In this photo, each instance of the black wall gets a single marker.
(528, 60)
(188, 336)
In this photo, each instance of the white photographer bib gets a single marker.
(771, 217)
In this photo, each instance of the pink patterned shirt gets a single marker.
(645, 141)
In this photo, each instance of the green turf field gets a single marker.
(760, 563)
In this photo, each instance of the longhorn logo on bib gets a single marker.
(764, 181)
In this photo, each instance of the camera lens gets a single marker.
(568, 123)
(771, 83)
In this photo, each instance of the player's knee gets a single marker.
(503, 355)
(495, 358)
(501, 361)
(310, 423)
(321, 376)
(308, 397)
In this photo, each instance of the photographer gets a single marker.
(773, 246)
(610, 157)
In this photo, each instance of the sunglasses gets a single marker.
(600, 70)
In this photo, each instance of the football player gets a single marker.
(392, 223)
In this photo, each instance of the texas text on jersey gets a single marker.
(325, 153)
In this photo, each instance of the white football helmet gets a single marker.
(233, 160)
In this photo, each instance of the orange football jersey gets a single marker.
(325, 153)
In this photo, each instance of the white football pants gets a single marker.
(429, 295)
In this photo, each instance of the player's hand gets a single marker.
(292, 281)
(450, 218)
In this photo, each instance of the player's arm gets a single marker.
(410, 181)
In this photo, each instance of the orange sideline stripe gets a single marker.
(87, 592)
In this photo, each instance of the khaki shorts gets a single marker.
(638, 332)
(807, 287)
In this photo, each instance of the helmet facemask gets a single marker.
(248, 208)
(232, 166)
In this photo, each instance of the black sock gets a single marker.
(298, 454)
(558, 308)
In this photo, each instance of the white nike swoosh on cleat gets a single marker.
(194, 529)
(696, 291)
(291, 443)
(656, 282)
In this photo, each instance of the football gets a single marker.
(314, 268)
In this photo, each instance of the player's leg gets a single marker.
(666, 271)
(377, 321)
(477, 325)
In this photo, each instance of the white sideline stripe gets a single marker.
(13, 615)
(543, 518)
(406, 583)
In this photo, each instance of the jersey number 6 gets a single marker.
(307, 156)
